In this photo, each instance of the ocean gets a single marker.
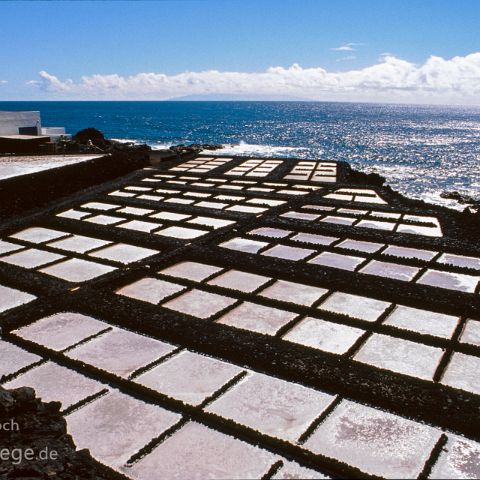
(421, 150)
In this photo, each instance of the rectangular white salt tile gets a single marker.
(74, 214)
(401, 356)
(135, 211)
(271, 232)
(14, 358)
(272, 406)
(420, 230)
(38, 235)
(100, 206)
(326, 336)
(321, 208)
(140, 226)
(198, 452)
(292, 470)
(360, 246)
(199, 303)
(246, 209)
(211, 222)
(392, 215)
(119, 193)
(338, 220)
(293, 292)
(137, 189)
(390, 270)
(31, 258)
(374, 441)
(300, 216)
(237, 280)
(422, 321)
(120, 352)
(459, 458)
(449, 280)
(155, 198)
(124, 253)
(7, 247)
(462, 372)
(216, 205)
(173, 217)
(355, 306)
(405, 252)
(189, 377)
(150, 290)
(352, 211)
(336, 260)
(257, 318)
(61, 330)
(116, 426)
(11, 298)
(54, 383)
(314, 239)
(266, 201)
(181, 233)
(471, 333)
(244, 245)
(191, 271)
(104, 219)
(288, 253)
(376, 224)
(78, 243)
(460, 261)
(182, 201)
(77, 270)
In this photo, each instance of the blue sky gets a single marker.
(99, 40)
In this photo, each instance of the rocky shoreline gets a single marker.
(34, 443)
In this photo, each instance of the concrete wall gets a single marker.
(11, 121)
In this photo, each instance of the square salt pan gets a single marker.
(244, 245)
(355, 306)
(338, 220)
(288, 253)
(14, 358)
(173, 217)
(376, 442)
(116, 426)
(38, 235)
(471, 333)
(61, 330)
(270, 232)
(100, 206)
(11, 298)
(211, 222)
(314, 239)
(422, 321)
(31, 258)
(405, 252)
(335, 260)
(78, 243)
(77, 270)
(237, 280)
(120, 352)
(191, 271)
(257, 318)
(450, 281)
(189, 377)
(181, 233)
(140, 226)
(199, 303)
(360, 246)
(293, 292)
(124, 253)
(7, 247)
(323, 335)
(150, 290)
(272, 406)
(104, 220)
(376, 224)
(135, 211)
(462, 373)
(390, 270)
(74, 214)
(195, 451)
(54, 383)
(401, 356)
(460, 261)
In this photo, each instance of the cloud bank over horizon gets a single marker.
(437, 80)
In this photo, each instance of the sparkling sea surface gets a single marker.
(421, 150)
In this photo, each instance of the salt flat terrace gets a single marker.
(14, 166)
(232, 317)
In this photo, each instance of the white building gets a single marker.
(27, 123)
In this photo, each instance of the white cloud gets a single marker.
(347, 47)
(438, 80)
(3, 82)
